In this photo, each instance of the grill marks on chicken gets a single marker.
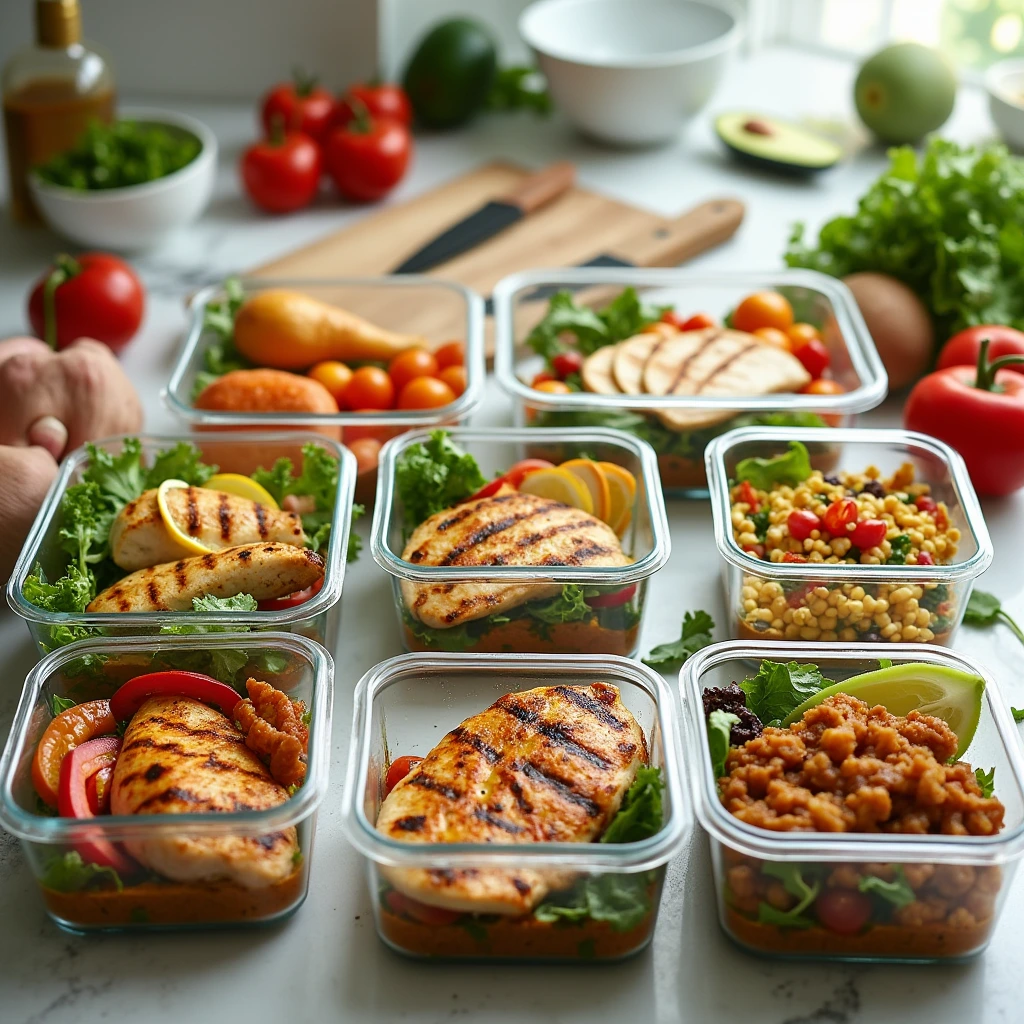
(550, 764)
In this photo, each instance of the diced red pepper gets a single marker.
(748, 496)
(790, 556)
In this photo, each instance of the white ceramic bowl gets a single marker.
(1005, 84)
(136, 216)
(631, 72)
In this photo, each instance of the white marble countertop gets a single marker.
(326, 963)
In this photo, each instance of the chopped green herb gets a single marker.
(1018, 714)
(695, 634)
(780, 688)
(60, 704)
(987, 781)
(985, 609)
(793, 881)
(901, 545)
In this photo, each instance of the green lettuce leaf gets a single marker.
(897, 892)
(71, 593)
(791, 876)
(120, 478)
(640, 815)
(1018, 715)
(779, 688)
(791, 468)
(237, 603)
(182, 462)
(569, 606)
(433, 476)
(69, 873)
(719, 726)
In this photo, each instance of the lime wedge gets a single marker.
(945, 693)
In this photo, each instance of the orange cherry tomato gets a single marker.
(540, 378)
(763, 309)
(425, 393)
(554, 387)
(774, 337)
(454, 377)
(451, 353)
(369, 388)
(407, 366)
(400, 767)
(367, 452)
(334, 376)
(800, 333)
(823, 386)
(65, 732)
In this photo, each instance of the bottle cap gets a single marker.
(58, 23)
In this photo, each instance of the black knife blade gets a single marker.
(490, 219)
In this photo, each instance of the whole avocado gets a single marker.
(451, 73)
(905, 91)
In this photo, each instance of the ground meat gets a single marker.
(848, 767)
(273, 727)
(732, 699)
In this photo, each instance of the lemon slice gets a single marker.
(241, 487)
(945, 693)
(592, 476)
(559, 485)
(187, 542)
(621, 495)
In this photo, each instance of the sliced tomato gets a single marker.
(63, 734)
(176, 683)
(400, 767)
(97, 788)
(613, 600)
(404, 906)
(514, 477)
(276, 604)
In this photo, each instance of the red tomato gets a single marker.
(823, 386)
(176, 683)
(368, 157)
(455, 378)
(790, 556)
(554, 387)
(566, 363)
(698, 322)
(371, 389)
(94, 296)
(400, 767)
(813, 355)
(840, 514)
(925, 504)
(757, 550)
(962, 349)
(868, 533)
(380, 100)
(748, 496)
(801, 523)
(97, 788)
(276, 604)
(451, 353)
(433, 917)
(925, 558)
(799, 333)
(845, 911)
(282, 174)
(65, 732)
(613, 600)
(425, 393)
(413, 363)
(298, 106)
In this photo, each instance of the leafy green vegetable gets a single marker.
(791, 468)
(220, 356)
(793, 881)
(761, 522)
(519, 88)
(901, 545)
(182, 462)
(897, 892)
(569, 606)
(71, 593)
(434, 476)
(696, 633)
(987, 781)
(1018, 715)
(949, 224)
(985, 609)
(121, 477)
(719, 726)
(85, 525)
(69, 873)
(885, 662)
(237, 603)
(640, 815)
(779, 688)
(60, 704)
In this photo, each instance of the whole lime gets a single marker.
(451, 72)
(905, 91)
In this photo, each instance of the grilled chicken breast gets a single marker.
(632, 354)
(505, 529)
(545, 765)
(181, 757)
(596, 372)
(263, 570)
(139, 537)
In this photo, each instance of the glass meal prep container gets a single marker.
(957, 884)
(520, 301)
(611, 626)
(317, 617)
(79, 896)
(845, 601)
(405, 706)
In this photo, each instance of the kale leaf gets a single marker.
(433, 476)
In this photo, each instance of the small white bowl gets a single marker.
(1005, 84)
(136, 216)
(631, 72)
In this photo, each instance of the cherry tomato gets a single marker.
(97, 789)
(790, 556)
(868, 533)
(425, 393)
(334, 376)
(845, 911)
(698, 322)
(566, 363)
(774, 337)
(367, 453)
(400, 767)
(175, 683)
(823, 386)
(757, 550)
(613, 600)
(298, 106)
(763, 309)
(451, 353)
(276, 604)
(963, 348)
(455, 378)
(925, 503)
(542, 378)
(925, 558)
(554, 387)
(799, 333)
(748, 496)
(65, 732)
(282, 174)
(673, 319)
(433, 917)
(814, 356)
(802, 522)
(368, 157)
(370, 388)
(380, 100)
(839, 515)
(94, 296)
(408, 365)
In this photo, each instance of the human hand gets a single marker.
(27, 473)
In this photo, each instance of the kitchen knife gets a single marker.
(530, 194)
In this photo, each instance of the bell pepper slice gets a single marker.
(66, 731)
(175, 683)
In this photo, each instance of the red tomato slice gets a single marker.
(619, 597)
(64, 733)
(131, 696)
(276, 604)
(404, 906)
(400, 767)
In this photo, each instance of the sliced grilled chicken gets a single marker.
(262, 570)
(631, 357)
(718, 361)
(596, 373)
(506, 529)
(139, 537)
(545, 765)
(181, 757)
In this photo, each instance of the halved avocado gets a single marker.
(777, 145)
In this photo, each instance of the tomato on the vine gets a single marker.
(368, 157)
(282, 174)
(299, 106)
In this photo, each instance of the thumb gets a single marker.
(50, 434)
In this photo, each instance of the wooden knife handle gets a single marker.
(541, 188)
(676, 241)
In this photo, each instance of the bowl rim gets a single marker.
(668, 58)
(172, 118)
